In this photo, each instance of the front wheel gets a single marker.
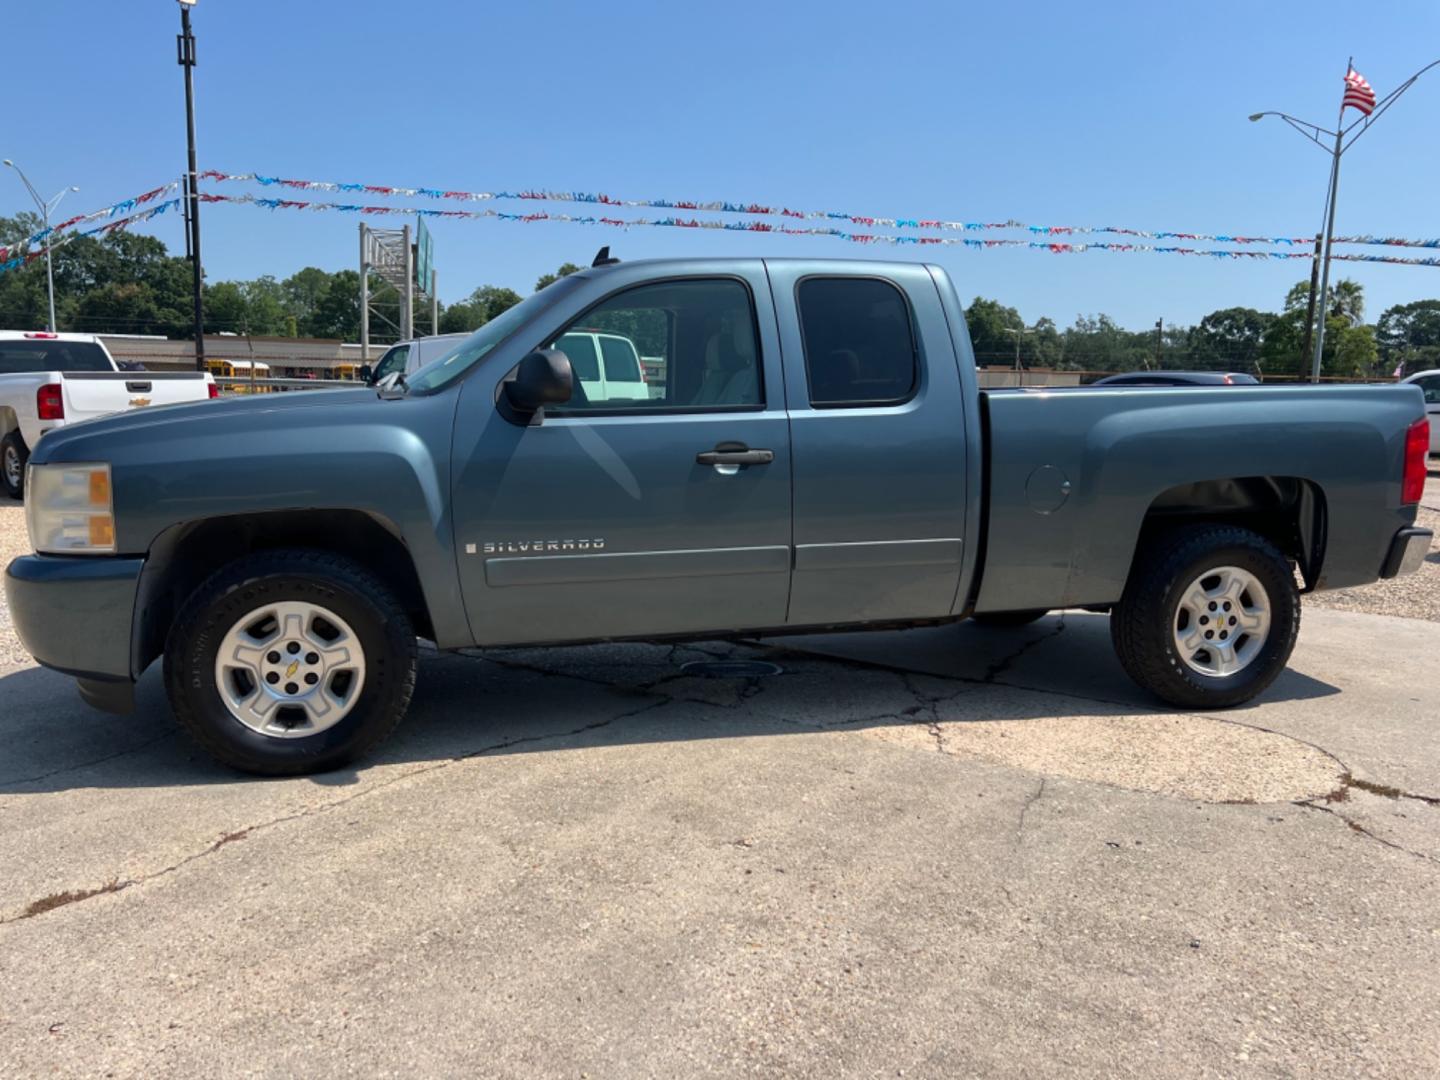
(290, 662)
(13, 456)
(1208, 618)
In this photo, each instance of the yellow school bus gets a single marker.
(233, 376)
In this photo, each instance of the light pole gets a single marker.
(1344, 139)
(185, 51)
(1018, 335)
(46, 209)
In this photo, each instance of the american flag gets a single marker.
(1358, 93)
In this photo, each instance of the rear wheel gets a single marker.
(290, 662)
(1209, 616)
(13, 456)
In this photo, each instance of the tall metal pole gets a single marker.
(364, 301)
(185, 44)
(407, 296)
(45, 208)
(49, 270)
(1325, 261)
(1310, 308)
(434, 304)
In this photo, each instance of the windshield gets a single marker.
(26, 357)
(465, 355)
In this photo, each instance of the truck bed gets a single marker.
(1123, 449)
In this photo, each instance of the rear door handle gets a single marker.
(729, 453)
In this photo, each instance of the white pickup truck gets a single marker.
(50, 380)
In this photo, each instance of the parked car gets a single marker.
(50, 380)
(1179, 378)
(821, 458)
(1429, 384)
(408, 357)
(607, 365)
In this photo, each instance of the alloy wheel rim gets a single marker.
(1221, 622)
(290, 669)
(12, 466)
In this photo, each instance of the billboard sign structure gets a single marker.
(424, 255)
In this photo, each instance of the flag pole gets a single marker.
(1329, 233)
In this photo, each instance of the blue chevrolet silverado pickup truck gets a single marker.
(810, 451)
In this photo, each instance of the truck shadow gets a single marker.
(520, 701)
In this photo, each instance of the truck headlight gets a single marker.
(69, 509)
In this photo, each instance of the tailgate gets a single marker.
(89, 394)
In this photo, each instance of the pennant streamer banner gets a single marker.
(124, 206)
(761, 210)
(111, 226)
(1053, 246)
(750, 208)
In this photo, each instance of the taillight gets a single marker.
(49, 402)
(1417, 445)
(214, 391)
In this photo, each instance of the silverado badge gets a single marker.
(535, 547)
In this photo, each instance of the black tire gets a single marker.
(1141, 624)
(1007, 619)
(13, 456)
(333, 582)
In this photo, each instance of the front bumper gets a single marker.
(1407, 552)
(75, 615)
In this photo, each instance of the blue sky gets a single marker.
(1105, 113)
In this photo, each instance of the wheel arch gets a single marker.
(1289, 511)
(185, 555)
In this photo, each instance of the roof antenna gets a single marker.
(602, 257)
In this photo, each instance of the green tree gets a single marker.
(1228, 340)
(479, 308)
(565, 270)
(1410, 334)
(337, 312)
(989, 321)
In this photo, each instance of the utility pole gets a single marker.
(434, 304)
(185, 47)
(1159, 339)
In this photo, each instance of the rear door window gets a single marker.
(859, 342)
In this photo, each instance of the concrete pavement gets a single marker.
(930, 853)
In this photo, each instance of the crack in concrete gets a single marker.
(67, 898)
(1356, 827)
(21, 782)
(1385, 791)
(1004, 664)
(1025, 810)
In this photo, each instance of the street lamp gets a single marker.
(1344, 139)
(185, 53)
(46, 209)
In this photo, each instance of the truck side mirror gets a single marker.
(367, 374)
(543, 378)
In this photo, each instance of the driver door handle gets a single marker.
(734, 453)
